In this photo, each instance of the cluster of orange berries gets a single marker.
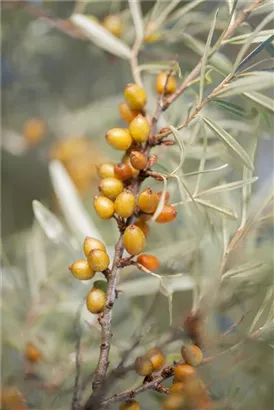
(97, 260)
(186, 390)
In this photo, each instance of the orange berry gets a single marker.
(124, 204)
(184, 372)
(98, 260)
(106, 170)
(81, 270)
(130, 405)
(166, 196)
(143, 366)
(157, 358)
(123, 171)
(192, 354)
(168, 214)
(177, 388)
(149, 261)
(161, 81)
(138, 160)
(12, 399)
(134, 240)
(104, 207)
(173, 402)
(32, 353)
(34, 130)
(139, 128)
(148, 201)
(96, 300)
(135, 96)
(113, 23)
(111, 187)
(143, 226)
(126, 113)
(91, 243)
(126, 160)
(119, 138)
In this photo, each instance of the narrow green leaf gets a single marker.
(262, 100)
(256, 80)
(260, 37)
(217, 208)
(228, 187)
(177, 136)
(235, 147)
(232, 108)
(205, 55)
(137, 18)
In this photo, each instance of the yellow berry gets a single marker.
(183, 372)
(148, 201)
(167, 215)
(81, 270)
(34, 130)
(153, 37)
(106, 170)
(96, 300)
(138, 160)
(123, 171)
(135, 96)
(111, 187)
(126, 113)
(156, 357)
(134, 240)
(124, 204)
(104, 207)
(130, 405)
(143, 366)
(98, 260)
(139, 128)
(173, 402)
(161, 81)
(91, 243)
(143, 226)
(177, 388)
(192, 354)
(149, 261)
(119, 138)
(113, 24)
(32, 353)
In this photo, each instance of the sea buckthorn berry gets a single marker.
(184, 372)
(119, 138)
(173, 402)
(157, 358)
(139, 128)
(177, 388)
(135, 96)
(32, 353)
(143, 366)
(126, 113)
(149, 261)
(166, 196)
(98, 260)
(113, 23)
(91, 243)
(130, 405)
(124, 204)
(168, 214)
(34, 130)
(106, 170)
(161, 83)
(148, 201)
(126, 160)
(152, 37)
(11, 398)
(138, 160)
(134, 240)
(81, 270)
(192, 355)
(104, 207)
(123, 171)
(96, 300)
(143, 226)
(111, 187)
